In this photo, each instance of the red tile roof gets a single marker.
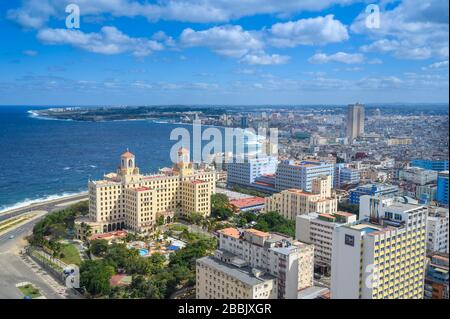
(247, 202)
(232, 232)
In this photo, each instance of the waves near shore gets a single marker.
(28, 202)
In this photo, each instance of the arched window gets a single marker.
(130, 163)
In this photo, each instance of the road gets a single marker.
(49, 206)
(16, 268)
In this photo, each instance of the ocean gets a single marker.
(45, 159)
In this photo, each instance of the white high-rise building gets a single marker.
(383, 255)
(355, 121)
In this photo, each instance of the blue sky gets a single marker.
(130, 52)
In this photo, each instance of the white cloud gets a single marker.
(437, 65)
(340, 57)
(229, 40)
(401, 49)
(312, 31)
(35, 13)
(414, 29)
(30, 52)
(262, 58)
(109, 40)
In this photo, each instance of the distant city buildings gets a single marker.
(383, 254)
(355, 121)
(292, 202)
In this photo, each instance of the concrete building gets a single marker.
(437, 230)
(435, 165)
(226, 276)
(355, 121)
(129, 200)
(418, 176)
(292, 202)
(291, 174)
(372, 190)
(382, 256)
(244, 173)
(317, 229)
(436, 280)
(399, 141)
(345, 175)
(291, 262)
(426, 192)
(442, 188)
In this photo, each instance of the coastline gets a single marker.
(29, 204)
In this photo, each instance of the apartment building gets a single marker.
(291, 262)
(299, 175)
(129, 200)
(382, 256)
(418, 176)
(317, 229)
(292, 202)
(436, 279)
(226, 276)
(374, 189)
(244, 171)
(437, 230)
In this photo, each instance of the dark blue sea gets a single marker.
(45, 159)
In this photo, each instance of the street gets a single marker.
(16, 268)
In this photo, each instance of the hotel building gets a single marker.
(129, 200)
(382, 256)
(292, 202)
(289, 261)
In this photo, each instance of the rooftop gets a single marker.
(247, 202)
(244, 274)
(232, 232)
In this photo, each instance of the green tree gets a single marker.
(95, 276)
(98, 247)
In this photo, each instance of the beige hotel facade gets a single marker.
(129, 200)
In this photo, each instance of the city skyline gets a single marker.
(296, 52)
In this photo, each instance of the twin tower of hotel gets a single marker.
(130, 200)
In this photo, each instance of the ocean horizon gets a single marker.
(45, 159)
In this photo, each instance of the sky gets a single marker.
(219, 52)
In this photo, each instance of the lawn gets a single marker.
(70, 255)
(30, 290)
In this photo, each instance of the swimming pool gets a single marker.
(143, 252)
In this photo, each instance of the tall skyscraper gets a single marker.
(355, 121)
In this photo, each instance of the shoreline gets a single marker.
(50, 199)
